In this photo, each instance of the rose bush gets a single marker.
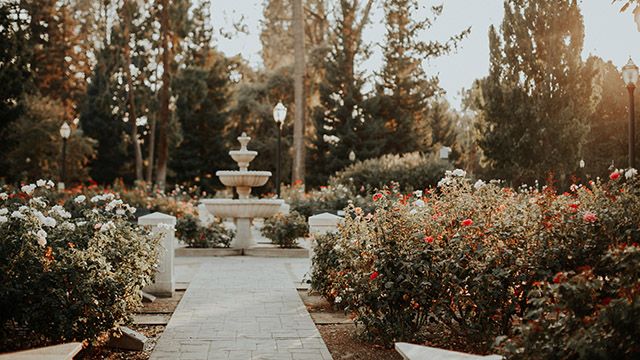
(68, 274)
(463, 257)
(195, 235)
(284, 230)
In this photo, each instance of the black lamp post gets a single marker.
(279, 114)
(630, 77)
(65, 131)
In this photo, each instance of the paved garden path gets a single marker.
(244, 308)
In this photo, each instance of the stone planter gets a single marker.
(272, 251)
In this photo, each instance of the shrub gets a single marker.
(284, 230)
(190, 232)
(465, 257)
(412, 171)
(593, 314)
(326, 261)
(64, 276)
(325, 199)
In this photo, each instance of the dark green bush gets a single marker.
(284, 230)
(190, 232)
(412, 171)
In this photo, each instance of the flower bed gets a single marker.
(68, 271)
(469, 259)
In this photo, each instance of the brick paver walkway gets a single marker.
(243, 308)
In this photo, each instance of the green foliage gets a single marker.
(325, 262)
(203, 94)
(537, 96)
(460, 262)
(36, 149)
(403, 94)
(68, 276)
(594, 314)
(412, 171)
(329, 198)
(191, 232)
(607, 139)
(284, 230)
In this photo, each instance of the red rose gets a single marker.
(377, 196)
(614, 175)
(373, 275)
(558, 278)
(574, 206)
(428, 239)
(606, 301)
(467, 222)
(589, 217)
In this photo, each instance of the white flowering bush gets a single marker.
(458, 263)
(68, 272)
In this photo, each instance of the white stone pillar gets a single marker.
(164, 283)
(324, 223)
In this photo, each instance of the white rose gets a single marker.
(419, 203)
(41, 183)
(41, 235)
(49, 222)
(107, 226)
(479, 184)
(17, 215)
(459, 173)
(630, 173)
(338, 300)
(121, 211)
(50, 184)
(4, 196)
(418, 193)
(28, 188)
(3, 219)
(4, 211)
(68, 226)
(80, 199)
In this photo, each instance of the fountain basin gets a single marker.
(243, 208)
(243, 157)
(240, 178)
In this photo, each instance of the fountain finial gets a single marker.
(244, 140)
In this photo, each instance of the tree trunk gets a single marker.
(163, 144)
(298, 81)
(130, 92)
(151, 150)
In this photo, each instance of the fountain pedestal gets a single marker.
(244, 209)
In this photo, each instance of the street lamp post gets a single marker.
(630, 77)
(279, 114)
(65, 131)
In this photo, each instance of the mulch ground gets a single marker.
(342, 339)
(164, 306)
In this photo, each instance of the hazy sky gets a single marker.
(608, 33)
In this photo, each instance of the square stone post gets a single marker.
(164, 283)
(322, 224)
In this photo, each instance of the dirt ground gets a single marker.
(340, 334)
(162, 306)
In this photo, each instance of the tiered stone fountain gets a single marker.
(244, 209)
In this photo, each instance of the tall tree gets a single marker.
(163, 128)
(298, 85)
(405, 89)
(609, 123)
(340, 120)
(537, 96)
(128, 8)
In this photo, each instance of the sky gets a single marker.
(608, 34)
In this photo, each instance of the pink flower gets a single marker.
(373, 275)
(467, 222)
(377, 196)
(614, 175)
(589, 217)
(428, 239)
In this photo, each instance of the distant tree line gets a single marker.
(150, 98)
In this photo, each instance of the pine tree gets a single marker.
(538, 92)
(405, 89)
(340, 119)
